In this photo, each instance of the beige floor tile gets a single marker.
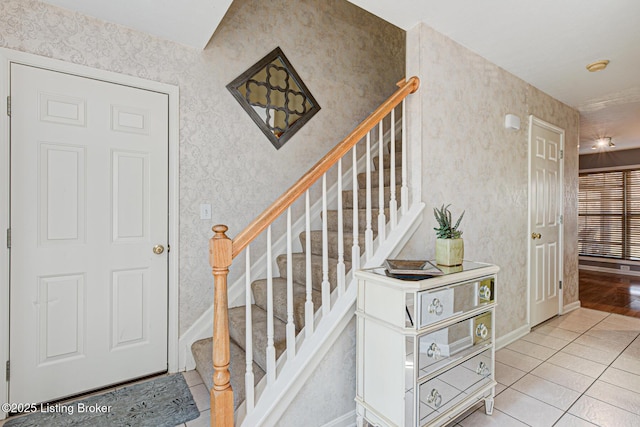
(497, 419)
(508, 375)
(577, 364)
(590, 353)
(555, 332)
(614, 395)
(627, 363)
(604, 332)
(527, 409)
(204, 420)
(531, 349)
(564, 377)
(622, 379)
(546, 391)
(625, 322)
(517, 360)
(545, 340)
(569, 420)
(192, 378)
(201, 397)
(602, 414)
(500, 388)
(601, 343)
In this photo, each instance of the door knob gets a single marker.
(536, 236)
(158, 249)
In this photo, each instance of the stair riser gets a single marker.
(332, 245)
(347, 218)
(347, 197)
(300, 270)
(259, 288)
(375, 179)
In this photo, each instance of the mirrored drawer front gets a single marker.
(441, 304)
(447, 345)
(440, 394)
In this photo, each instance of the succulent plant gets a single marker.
(445, 230)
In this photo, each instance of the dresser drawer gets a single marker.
(443, 392)
(438, 305)
(447, 345)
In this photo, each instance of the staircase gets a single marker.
(287, 318)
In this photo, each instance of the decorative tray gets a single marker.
(411, 269)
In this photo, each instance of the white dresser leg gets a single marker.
(488, 406)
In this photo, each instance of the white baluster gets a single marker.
(271, 350)
(291, 326)
(248, 376)
(341, 267)
(404, 190)
(393, 203)
(368, 232)
(355, 247)
(308, 305)
(382, 220)
(326, 287)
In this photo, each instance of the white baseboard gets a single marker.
(570, 307)
(512, 336)
(609, 270)
(346, 420)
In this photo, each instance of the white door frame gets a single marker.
(7, 56)
(539, 122)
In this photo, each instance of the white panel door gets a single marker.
(545, 203)
(89, 201)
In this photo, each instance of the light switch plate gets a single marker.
(205, 211)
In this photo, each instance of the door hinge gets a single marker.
(8, 370)
(9, 106)
(561, 218)
(560, 284)
(561, 154)
(8, 238)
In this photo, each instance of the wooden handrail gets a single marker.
(261, 222)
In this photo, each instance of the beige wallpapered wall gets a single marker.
(471, 161)
(349, 59)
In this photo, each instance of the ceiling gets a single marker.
(547, 43)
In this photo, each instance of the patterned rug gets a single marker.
(164, 401)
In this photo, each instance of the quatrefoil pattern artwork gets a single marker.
(275, 97)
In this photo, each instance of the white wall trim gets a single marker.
(7, 56)
(346, 420)
(609, 270)
(512, 336)
(570, 307)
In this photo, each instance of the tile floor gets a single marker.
(582, 369)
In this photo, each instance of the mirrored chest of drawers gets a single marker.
(425, 349)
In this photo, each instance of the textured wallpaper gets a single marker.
(471, 161)
(349, 59)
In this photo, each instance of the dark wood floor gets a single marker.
(614, 293)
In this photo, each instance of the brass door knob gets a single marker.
(536, 236)
(158, 249)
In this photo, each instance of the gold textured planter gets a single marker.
(449, 252)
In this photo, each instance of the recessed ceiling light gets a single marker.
(598, 65)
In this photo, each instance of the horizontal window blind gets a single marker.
(609, 214)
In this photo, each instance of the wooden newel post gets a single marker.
(220, 258)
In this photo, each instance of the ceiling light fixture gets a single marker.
(604, 142)
(598, 65)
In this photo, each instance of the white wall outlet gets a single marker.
(625, 267)
(205, 211)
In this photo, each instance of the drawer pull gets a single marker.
(483, 369)
(433, 351)
(436, 307)
(485, 292)
(482, 331)
(435, 398)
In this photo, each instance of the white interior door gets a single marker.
(89, 201)
(545, 215)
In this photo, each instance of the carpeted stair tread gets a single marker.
(386, 160)
(259, 288)
(237, 332)
(300, 269)
(202, 352)
(332, 245)
(375, 179)
(347, 197)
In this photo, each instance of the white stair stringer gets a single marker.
(276, 398)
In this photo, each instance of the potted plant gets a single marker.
(449, 244)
